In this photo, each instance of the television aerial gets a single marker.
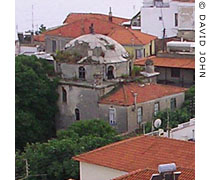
(157, 123)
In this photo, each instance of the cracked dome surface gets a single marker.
(97, 48)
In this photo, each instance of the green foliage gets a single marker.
(189, 103)
(54, 158)
(66, 56)
(181, 115)
(136, 71)
(148, 127)
(36, 99)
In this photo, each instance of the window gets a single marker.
(150, 48)
(175, 72)
(53, 46)
(176, 19)
(64, 95)
(81, 73)
(139, 115)
(112, 115)
(138, 53)
(110, 73)
(77, 114)
(173, 103)
(156, 108)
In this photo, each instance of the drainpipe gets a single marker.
(135, 99)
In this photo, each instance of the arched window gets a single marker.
(81, 72)
(64, 95)
(110, 73)
(77, 114)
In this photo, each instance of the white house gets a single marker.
(165, 18)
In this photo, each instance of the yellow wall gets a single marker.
(132, 49)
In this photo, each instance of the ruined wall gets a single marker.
(85, 99)
(60, 42)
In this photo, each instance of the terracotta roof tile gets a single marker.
(124, 95)
(81, 27)
(127, 36)
(72, 17)
(185, 63)
(146, 174)
(142, 152)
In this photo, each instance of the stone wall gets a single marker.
(60, 42)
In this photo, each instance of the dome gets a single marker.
(97, 48)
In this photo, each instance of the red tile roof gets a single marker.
(72, 17)
(185, 63)
(146, 174)
(127, 36)
(124, 95)
(142, 152)
(81, 27)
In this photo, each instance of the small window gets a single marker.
(176, 19)
(53, 46)
(160, 18)
(150, 48)
(77, 114)
(156, 108)
(138, 53)
(81, 73)
(175, 72)
(139, 115)
(112, 116)
(64, 95)
(110, 73)
(173, 103)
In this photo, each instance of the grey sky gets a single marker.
(53, 12)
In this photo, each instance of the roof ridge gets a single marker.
(135, 36)
(130, 139)
(125, 94)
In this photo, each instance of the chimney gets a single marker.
(20, 37)
(149, 66)
(110, 14)
(91, 28)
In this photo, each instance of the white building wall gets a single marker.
(151, 24)
(95, 172)
(184, 131)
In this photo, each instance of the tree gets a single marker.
(36, 100)
(42, 29)
(180, 115)
(53, 160)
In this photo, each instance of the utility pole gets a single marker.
(32, 18)
(163, 40)
(168, 125)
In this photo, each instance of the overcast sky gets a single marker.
(53, 12)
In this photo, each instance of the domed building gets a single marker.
(90, 66)
(91, 55)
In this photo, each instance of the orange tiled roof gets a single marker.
(127, 36)
(81, 27)
(146, 174)
(40, 37)
(142, 152)
(185, 63)
(72, 17)
(124, 96)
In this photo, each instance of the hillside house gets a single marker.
(137, 159)
(131, 105)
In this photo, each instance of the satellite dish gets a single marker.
(157, 123)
